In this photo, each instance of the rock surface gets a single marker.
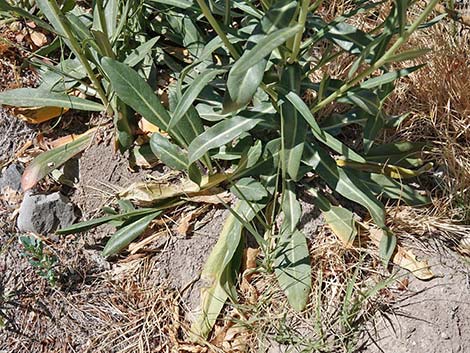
(11, 177)
(42, 214)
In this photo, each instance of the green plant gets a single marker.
(237, 116)
(41, 260)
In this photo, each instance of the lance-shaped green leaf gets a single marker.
(169, 153)
(191, 93)
(374, 125)
(249, 189)
(339, 219)
(393, 189)
(242, 85)
(124, 236)
(247, 73)
(319, 134)
(345, 183)
(85, 225)
(139, 53)
(135, 92)
(387, 246)
(395, 153)
(294, 125)
(364, 99)
(182, 4)
(263, 48)
(388, 77)
(33, 97)
(291, 208)
(292, 268)
(220, 268)
(47, 161)
(219, 135)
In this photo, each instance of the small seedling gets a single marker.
(41, 260)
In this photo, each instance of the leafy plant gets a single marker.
(237, 115)
(41, 260)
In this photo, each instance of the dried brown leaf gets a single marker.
(405, 258)
(37, 115)
(39, 39)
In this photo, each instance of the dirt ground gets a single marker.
(433, 317)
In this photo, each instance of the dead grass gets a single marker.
(348, 290)
(437, 97)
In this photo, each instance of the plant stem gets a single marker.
(81, 56)
(298, 37)
(383, 60)
(227, 13)
(213, 22)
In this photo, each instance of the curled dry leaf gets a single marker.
(39, 39)
(212, 196)
(149, 193)
(147, 127)
(405, 258)
(186, 221)
(37, 115)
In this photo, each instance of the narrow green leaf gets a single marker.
(339, 219)
(182, 4)
(47, 161)
(364, 99)
(388, 77)
(249, 189)
(374, 125)
(124, 236)
(135, 92)
(290, 207)
(264, 47)
(220, 269)
(345, 183)
(294, 126)
(218, 135)
(393, 189)
(242, 85)
(387, 245)
(169, 153)
(319, 134)
(33, 97)
(139, 53)
(85, 225)
(292, 268)
(188, 97)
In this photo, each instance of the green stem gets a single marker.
(298, 37)
(213, 22)
(379, 63)
(81, 56)
(227, 13)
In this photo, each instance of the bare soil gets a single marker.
(434, 316)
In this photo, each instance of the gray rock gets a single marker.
(43, 214)
(11, 177)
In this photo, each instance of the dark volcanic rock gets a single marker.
(43, 214)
